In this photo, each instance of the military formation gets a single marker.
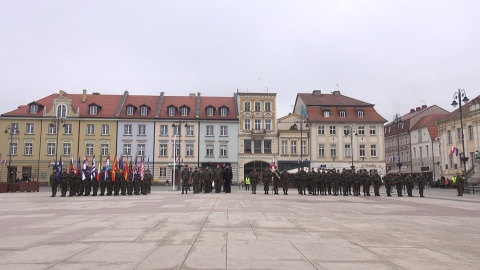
(207, 180)
(106, 183)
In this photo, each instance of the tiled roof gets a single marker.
(217, 103)
(430, 122)
(179, 101)
(456, 113)
(137, 101)
(315, 114)
(391, 129)
(336, 100)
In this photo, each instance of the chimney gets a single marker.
(418, 109)
(192, 95)
(317, 92)
(424, 106)
(412, 110)
(84, 96)
(336, 93)
(61, 93)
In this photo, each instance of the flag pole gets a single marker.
(174, 160)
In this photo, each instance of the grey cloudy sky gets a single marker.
(394, 54)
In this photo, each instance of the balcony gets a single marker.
(258, 132)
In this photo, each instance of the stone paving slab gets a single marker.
(167, 230)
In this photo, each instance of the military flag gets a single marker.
(59, 170)
(135, 169)
(94, 169)
(114, 168)
(126, 171)
(107, 168)
(70, 168)
(142, 169)
(84, 168)
(100, 169)
(78, 166)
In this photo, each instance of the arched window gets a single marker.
(62, 111)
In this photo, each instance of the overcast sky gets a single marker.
(395, 54)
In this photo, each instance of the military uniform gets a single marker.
(399, 184)
(218, 175)
(377, 182)
(53, 183)
(87, 183)
(79, 186)
(147, 179)
(303, 181)
(95, 184)
(103, 183)
(64, 183)
(421, 181)
(276, 180)
(117, 182)
(254, 177)
(285, 179)
(266, 179)
(388, 179)
(185, 179)
(110, 181)
(71, 184)
(460, 181)
(410, 182)
(196, 181)
(207, 178)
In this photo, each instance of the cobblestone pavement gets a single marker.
(167, 230)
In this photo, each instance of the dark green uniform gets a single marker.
(53, 183)
(285, 179)
(64, 183)
(185, 179)
(276, 180)
(410, 183)
(460, 183)
(87, 183)
(218, 175)
(254, 177)
(421, 181)
(377, 183)
(399, 184)
(208, 178)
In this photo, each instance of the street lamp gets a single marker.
(177, 130)
(302, 123)
(347, 132)
(10, 129)
(461, 96)
(54, 126)
(398, 122)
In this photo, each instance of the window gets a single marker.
(267, 146)
(223, 131)
(373, 130)
(284, 147)
(67, 148)
(326, 113)
(163, 149)
(89, 149)
(184, 111)
(13, 148)
(257, 106)
(163, 172)
(223, 111)
(142, 130)
(268, 124)
(360, 114)
(321, 130)
(61, 111)
(33, 109)
(127, 129)
(176, 130)
(104, 149)
(343, 114)
(421, 152)
(449, 136)
(246, 124)
(470, 133)
(247, 146)
(141, 149)
(333, 130)
(348, 152)
(333, 150)
(209, 150)
(93, 110)
(258, 124)
(130, 110)
(51, 148)
(373, 150)
(293, 147)
(171, 111)
(105, 129)
(189, 150)
(321, 150)
(67, 128)
(176, 147)
(362, 150)
(426, 150)
(257, 146)
(247, 106)
(143, 110)
(127, 149)
(459, 134)
(268, 106)
(189, 130)
(223, 150)
(414, 152)
(90, 129)
(29, 128)
(28, 149)
(209, 130)
(346, 130)
(361, 130)
(163, 130)
(303, 147)
(52, 128)
(210, 111)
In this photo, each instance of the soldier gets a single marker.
(71, 184)
(87, 182)
(130, 183)
(117, 182)
(95, 185)
(185, 174)
(460, 181)
(410, 182)
(285, 179)
(79, 186)
(208, 176)
(147, 179)
(303, 181)
(399, 184)
(227, 178)
(266, 179)
(254, 177)
(367, 182)
(377, 182)
(64, 183)
(217, 176)
(103, 183)
(196, 181)
(109, 183)
(421, 181)
(276, 180)
(388, 179)
(310, 180)
(136, 184)
(53, 182)
(123, 183)
(335, 181)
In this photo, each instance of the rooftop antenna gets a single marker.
(423, 101)
(338, 87)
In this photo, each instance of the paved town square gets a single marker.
(167, 230)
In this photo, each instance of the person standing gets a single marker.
(72, 178)
(266, 179)
(377, 182)
(285, 179)
(399, 184)
(218, 174)
(276, 180)
(421, 181)
(208, 177)
(460, 181)
(185, 178)
(87, 182)
(147, 179)
(303, 181)
(53, 183)
(227, 178)
(254, 177)
(410, 183)
(197, 187)
(95, 184)
(64, 183)
(388, 179)
(247, 183)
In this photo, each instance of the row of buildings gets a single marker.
(324, 130)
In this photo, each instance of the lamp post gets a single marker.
(175, 157)
(398, 121)
(55, 126)
(347, 132)
(307, 125)
(461, 96)
(10, 129)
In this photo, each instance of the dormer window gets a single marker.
(61, 111)
(210, 111)
(171, 111)
(326, 113)
(223, 111)
(184, 111)
(93, 110)
(360, 114)
(33, 109)
(130, 110)
(143, 110)
(343, 114)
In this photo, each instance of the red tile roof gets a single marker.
(137, 101)
(430, 122)
(327, 100)
(179, 101)
(217, 103)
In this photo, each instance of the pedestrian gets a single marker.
(53, 182)
(227, 178)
